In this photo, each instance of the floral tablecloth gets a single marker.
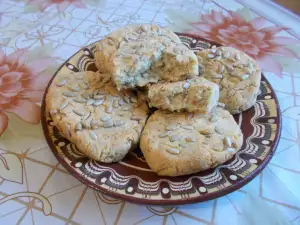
(36, 36)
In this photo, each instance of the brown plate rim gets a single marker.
(201, 198)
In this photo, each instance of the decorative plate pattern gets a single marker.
(132, 180)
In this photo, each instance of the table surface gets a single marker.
(37, 36)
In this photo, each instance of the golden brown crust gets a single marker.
(192, 95)
(176, 144)
(237, 75)
(140, 54)
(102, 122)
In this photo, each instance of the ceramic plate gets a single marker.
(132, 180)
